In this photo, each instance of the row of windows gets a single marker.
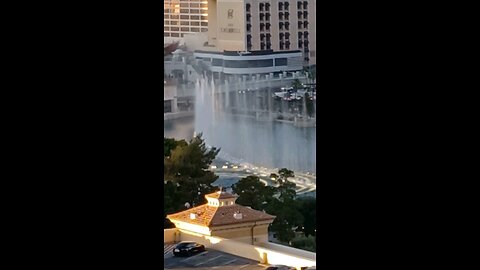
(168, 34)
(301, 4)
(242, 63)
(186, 17)
(185, 29)
(186, 11)
(303, 25)
(303, 15)
(203, 5)
(186, 23)
(281, 6)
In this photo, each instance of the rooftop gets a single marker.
(214, 215)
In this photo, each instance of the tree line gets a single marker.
(187, 179)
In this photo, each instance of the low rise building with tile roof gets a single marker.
(222, 217)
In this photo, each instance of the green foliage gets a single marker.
(297, 84)
(307, 206)
(170, 144)
(186, 174)
(305, 243)
(309, 104)
(253, 193)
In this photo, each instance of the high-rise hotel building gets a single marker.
(184, 16)
(247, 25)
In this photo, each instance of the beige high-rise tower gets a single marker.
(250, 25)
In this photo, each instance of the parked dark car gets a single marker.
(280, 267)
(188, 249)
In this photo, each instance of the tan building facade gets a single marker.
(251, 25)
(222, 217)
(184, 16)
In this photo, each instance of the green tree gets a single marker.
(186, 174)
(169, 144)
(297, 84)
(284, 206)
(309, 104)
(252, 192)
(307, 206)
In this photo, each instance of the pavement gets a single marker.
(210, 259)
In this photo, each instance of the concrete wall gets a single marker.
(244, 234)
(285, 255)
(169, 235)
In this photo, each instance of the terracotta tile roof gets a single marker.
(209, 216)
(221, 195)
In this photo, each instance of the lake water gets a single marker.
(244, 140)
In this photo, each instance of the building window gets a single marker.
(184, 29)
(299, 5)
(267, 26)
(249, 27)
(287, 25)
(300, 44)
(281, 45)
(248, 17)
(194, 17)
(269, 46)
(175, 35)
(280, 61)
(300, 34)
(184, 23)
(300, 24)
(165, 28)
(184, 17)
(262, 46)
(248, 7)
(305, 15)
(287, 36)
(262, 27)
(267, 7)
(287, 16)
(305, 4)
(204, 24)
(261, 6)
(280, 6)
(281, 36)
(286, 5)
(305, 24)
(175, 29)
(267, 16)
(262, 16)
(280, 25)
(183, 10)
